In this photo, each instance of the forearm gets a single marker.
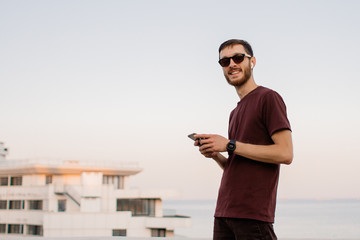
(220, 159)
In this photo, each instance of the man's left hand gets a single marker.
(211, 143)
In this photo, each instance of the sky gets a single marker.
(129, 80)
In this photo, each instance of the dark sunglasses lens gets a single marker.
(238, 58)
(224, 62)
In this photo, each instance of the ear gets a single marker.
(252, 62)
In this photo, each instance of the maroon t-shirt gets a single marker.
(248, 188)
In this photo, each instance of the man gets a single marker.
(259, 141)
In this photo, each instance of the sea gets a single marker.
(295, 218)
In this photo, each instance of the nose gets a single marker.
(232, 63)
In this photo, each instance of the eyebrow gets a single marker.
(247, 55)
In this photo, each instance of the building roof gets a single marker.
(26, 167)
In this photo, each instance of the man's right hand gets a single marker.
(208, 154)
(218, 157)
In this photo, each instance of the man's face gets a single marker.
(236, 74)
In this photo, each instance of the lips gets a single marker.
(234, 71)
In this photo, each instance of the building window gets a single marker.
(4, 181)
(138, 207)
(3, 204)
(2, 228)
(35, 204)
(15, 181)
(16, 204)
(34, 230)
(61, 205)
(117, 181)
(49, 179)
(158, 232)
(15, 229)
(119, 232)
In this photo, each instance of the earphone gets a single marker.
(252, 65)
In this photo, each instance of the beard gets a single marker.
(239, 82)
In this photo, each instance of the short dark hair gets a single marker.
(232, 42)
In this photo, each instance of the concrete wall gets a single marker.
(88, 224)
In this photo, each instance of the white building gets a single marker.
(75, 199)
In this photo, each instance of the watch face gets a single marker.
(231, 146)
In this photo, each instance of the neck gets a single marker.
(244, 89)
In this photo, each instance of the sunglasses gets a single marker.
(238, 58)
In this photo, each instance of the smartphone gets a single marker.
(191, 136)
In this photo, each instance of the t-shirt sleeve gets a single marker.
(274, 113)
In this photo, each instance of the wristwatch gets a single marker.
(231, 146)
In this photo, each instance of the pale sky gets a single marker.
(129, 80)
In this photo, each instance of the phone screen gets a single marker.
(191, 136)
